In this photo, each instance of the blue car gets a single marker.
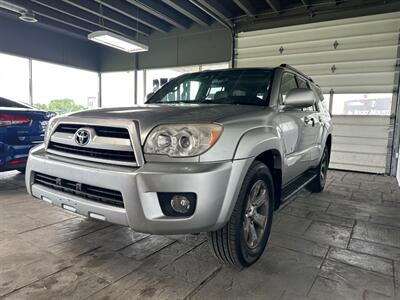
(21, 128)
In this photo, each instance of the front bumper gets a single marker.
(215, 184)
(9, 154)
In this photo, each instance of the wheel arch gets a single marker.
(273, 160)
(328, 144)
(264, 144)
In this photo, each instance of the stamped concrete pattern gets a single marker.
(343, 243)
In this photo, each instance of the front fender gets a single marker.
(258, 140)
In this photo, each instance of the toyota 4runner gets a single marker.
(214, 151)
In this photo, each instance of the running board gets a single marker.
(296, 185)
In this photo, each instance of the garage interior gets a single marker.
(343, 243)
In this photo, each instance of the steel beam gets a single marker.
(55, 16)
(189, 10)
(162, 11)
(215, 10)
(306, 3)
(247, 7)
(274, 4)
(110, 15)
(137, 14)
(50, 7)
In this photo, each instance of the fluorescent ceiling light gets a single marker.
(117, 41)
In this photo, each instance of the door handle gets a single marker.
(308, 120)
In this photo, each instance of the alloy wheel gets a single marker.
(256, 214)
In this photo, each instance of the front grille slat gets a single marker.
(126, 156)
(89, 192)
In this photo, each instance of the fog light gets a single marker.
(180, 204)
(177, 204)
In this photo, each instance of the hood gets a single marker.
(150, 115)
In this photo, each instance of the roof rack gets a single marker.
(297, 71)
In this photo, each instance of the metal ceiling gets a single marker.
(142, 18)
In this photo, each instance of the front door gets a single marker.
(299, 130)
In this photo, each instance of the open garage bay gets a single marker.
(341, 244)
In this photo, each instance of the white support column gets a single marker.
(30, 82)
(144, 84)
(99, 93)
(135, 85)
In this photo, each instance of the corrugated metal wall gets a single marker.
(356, 55)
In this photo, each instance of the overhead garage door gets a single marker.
(345, 57)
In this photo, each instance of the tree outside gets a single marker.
(61, 106)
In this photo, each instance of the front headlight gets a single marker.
(182, 140)
(49, 129)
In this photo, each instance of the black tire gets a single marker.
(318, 183)
(22, 170)
(230, 244)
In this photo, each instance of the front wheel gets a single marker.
(242, 240)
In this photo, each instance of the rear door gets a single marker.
(316, 129)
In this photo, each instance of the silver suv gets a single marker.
(214, 151)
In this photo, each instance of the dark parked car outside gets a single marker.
(21, 127)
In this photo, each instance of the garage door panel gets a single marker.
(360, 89)
(357, 167)
(337, 22)
(359, 141)
(367, 41)
(381, 78)
(359, 131)
(385, 52)
(361, 120)
(318, 32)
(365, 149)
(351, 67)
(358, 162)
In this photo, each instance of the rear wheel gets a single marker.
(318, 183)
(22, 170)
(242, 240)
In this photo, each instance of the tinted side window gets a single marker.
(288, 83)
(302, 83)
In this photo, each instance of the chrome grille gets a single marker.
(107, 144)
(89, 192)
(112, 132)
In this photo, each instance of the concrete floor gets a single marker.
(341, 244)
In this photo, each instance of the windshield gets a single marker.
(235, 86)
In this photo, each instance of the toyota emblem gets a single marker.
(82, 136)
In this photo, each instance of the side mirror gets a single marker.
(299, 98)
(51, 114)
(149, 95)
